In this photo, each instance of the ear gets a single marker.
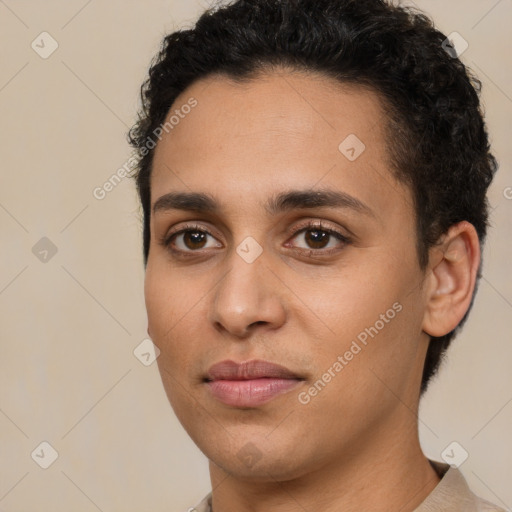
(453, 269)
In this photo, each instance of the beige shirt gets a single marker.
(451, 494)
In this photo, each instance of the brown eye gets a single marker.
(194, 239)
(317, 239)
(190, 239)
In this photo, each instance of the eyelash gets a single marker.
(167, 239)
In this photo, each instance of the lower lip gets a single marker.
(250, 393)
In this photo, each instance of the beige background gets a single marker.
(69, 325)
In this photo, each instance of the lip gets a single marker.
(250, 383)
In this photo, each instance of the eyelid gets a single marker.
(316, 224)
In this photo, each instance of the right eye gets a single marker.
(191, 238)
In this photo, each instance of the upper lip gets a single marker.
(247, 370)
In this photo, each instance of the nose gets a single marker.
(247, 298)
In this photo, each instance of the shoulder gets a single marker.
(486, 506)
(452, 493)
(203, 506)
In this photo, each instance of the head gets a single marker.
(352, 97)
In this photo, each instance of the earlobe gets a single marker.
(454, 267)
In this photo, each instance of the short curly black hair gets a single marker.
(437, 139)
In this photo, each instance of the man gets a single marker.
(313, 177)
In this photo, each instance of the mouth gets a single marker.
(250, 383)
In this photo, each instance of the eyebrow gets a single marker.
(282, 202)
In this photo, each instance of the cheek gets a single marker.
(351, 299)
(168, 303)
(371, 312)
(170, 308)
(380, 354)
(177, 312)
(160, 303)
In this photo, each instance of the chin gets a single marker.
(255, 458)
(267, 469)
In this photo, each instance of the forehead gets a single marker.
(273, 132)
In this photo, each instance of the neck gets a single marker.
(381, 474)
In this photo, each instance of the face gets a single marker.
(286, 300)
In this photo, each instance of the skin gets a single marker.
(355, 445)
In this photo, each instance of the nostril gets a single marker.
(258, 323)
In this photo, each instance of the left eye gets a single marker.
(319, 238)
